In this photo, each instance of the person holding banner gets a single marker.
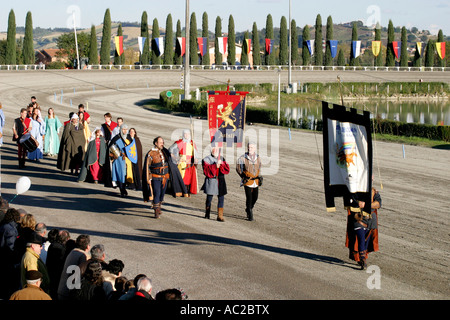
(122, 151)
(159, 169)
(21, 126)
(184, 153)
(215, 168)
(362, 230)
(249, 169)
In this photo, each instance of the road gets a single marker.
(294, 250)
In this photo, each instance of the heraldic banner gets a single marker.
(347, 152)
(226, 117)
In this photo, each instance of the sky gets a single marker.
(429, 15)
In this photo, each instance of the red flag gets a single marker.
(397, 46)
(249, 45)
(269, 45)
(181, 43)
(119, 45)
(440, 47)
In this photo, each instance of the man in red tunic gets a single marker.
(22, 125)
(184, 154)
(108, 127)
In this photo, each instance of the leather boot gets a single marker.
(220, 215)
(249, 214)
(207, 212)
(157, 208)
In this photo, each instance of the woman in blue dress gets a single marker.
(51, 141)
(37, 131)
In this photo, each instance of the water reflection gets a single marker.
(426, 112)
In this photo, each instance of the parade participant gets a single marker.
(121, 169)
(37, 132)
(362, 230)
(158, 170)
(137, 167)
(2, 124)
(87, 116)
(249, 169)
(94, 158)
(116, 130)
(71, 151)
(87, 131)
(108, 127)
(215, 168)
(184, 153)
(21, 126)
(51, 141)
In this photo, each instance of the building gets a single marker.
(47, 56)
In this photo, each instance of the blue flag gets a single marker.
(131, 152)
(333, 48)
(310, 44)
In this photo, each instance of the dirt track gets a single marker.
(294, 249)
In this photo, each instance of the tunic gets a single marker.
(51, 141)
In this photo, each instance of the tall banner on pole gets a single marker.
(310, 44)
(159, 46)
(419, 48)
(201, 41)
(223, 41)
(347, 152)
(118, 40)
(333, 48)
(248, 43)
(376, 48)
(181, 46)
(440, 47)
(397, 46)
(269, 45)
(226, 117)
(141, 42)
(356, 46)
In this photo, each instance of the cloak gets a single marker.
(91, 157)
(71, 149)
(137, 167)
(175, 187)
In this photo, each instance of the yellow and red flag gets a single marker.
(440, 47)
(118, 40)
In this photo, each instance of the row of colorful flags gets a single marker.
(269, 44)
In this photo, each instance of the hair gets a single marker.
(4, 205)
(135, 132)
(169, 294)
(48, 112)
(28, 221)
(81, 106)
(136, 279)
(52, 235)
(33, 97)
(23, 109)
(83, 241)
(120, 283)
(70, 115)
(0, 105)
(97, 251)
(128, 285)
(40, 227)
(144, 284)
(115, 266)
(93, 273)
(11, 215)
(119, 118)
(107, 115)
(156, 140)
(62, 237)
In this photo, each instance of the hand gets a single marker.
(361, 204)
(219, 163)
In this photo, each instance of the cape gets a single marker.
(175, 187)
(91, 157)
(71, 149)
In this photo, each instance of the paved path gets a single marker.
(294, 249)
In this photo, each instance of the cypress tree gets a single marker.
(231, 58)
(283, 53)
(156, 60)
(318, 51)
(354, 61)
(269, 58)
(440, 62)
(119, 60)
(168, 43)
(390, 56)
(28, 48)
(256, 46)
(294, 43)
(404, 50)
(218, 33)
(93, 52)
(417, 61)
(145, 56)
(244, 55)
(205, 34)
(178, 60)
(379, 58)
(341, 58)
(429, 53)
(11, 53)
(193, 49)
(328, 58)
(105, 48)
(306, 56)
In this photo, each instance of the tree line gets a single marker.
(22, 51)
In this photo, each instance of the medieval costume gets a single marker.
(21, 126)
(107, 129)
(37, 132)
(2, 124)
(94, 158)
(215, 168)
(362, 231)
(136, 166)
(121, 169)
(51, 141)
(71, 150)
(158, 173)
(249, 169)
(184, 153)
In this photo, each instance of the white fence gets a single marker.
(236, 67)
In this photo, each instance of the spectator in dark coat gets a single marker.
(55, 261)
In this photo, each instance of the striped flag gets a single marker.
(222, 44)
(269, 45)
(310, 44)
(159, 46)
(141, 42)
(356, 46)
(202, 46)
(440, 47)
(119, 45)
(397, 46)
(181, 45)
(249, 45)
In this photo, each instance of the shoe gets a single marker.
(220, 215)
(207, 212)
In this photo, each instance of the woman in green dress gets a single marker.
(51, 141)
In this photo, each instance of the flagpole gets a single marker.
(290, 48)
(187, 76)
(76, 41)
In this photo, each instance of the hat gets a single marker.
(33, 275)
(74, 116)
(35, 238)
